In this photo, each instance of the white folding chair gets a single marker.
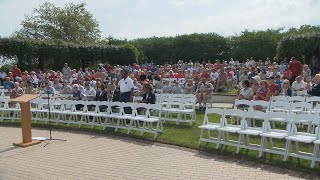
(77, 113)
(90, 114)
(68, 107)
(316, 153)
(300, 108)
(226, 127)
(125, 114)
(3, 108)
(104, 117)
(299, 136)
(243, 105)
(279, 106)
(272, 132)
(315, 101)
(247, 130)
(211, 126)
(153, 116)
(188, 110)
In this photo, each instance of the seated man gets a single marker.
(314, 90)
(298, 84)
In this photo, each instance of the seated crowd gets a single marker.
(253, 80)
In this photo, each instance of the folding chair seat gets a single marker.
(211, 126)
(227, 128)
(247, 130)
(297, 135)
(274, 133)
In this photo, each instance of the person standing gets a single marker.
(296, 68)
(126, 87)
(66, 71)
(16, 72)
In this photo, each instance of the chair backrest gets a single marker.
(141, 109)
(279, 98)
(242, 104)
(91, 106)
(277, 117)
(233, 113)
(175, 103)
(279, 106)
(303, 107)
(154, 111)
(314, 100)
(130, 109)
(213, 111)
(302, 118)
(297, 99)
(263, 105)
(256, 115)
(103, 106)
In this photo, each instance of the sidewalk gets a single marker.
(91, 156)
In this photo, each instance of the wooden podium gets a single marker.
(24, 101)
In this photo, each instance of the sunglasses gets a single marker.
(285, 83)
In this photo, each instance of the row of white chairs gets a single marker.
(266, 132)
(130, 116)
(178, 107)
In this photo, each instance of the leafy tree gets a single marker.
(71, 23)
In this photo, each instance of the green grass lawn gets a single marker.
(186, 136)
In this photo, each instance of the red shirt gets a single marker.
(16, 72)
(296, 68)
(217, 66)
(273, 88)
(205, 75)
(179, 76)
(52, 77)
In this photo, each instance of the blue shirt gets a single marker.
(8, 84)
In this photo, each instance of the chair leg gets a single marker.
(287, 151)
(239, 143)
(201, 133)
(315, 155)
(219, 139)
(262, 146)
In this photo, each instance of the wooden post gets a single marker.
(24, 101)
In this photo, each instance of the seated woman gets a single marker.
(149, 97)
(17, 91)
(263, 93)
(30, 88)
(285, 88)
(246, 91)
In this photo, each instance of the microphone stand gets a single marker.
(49, 118)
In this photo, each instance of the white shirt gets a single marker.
(126, 85)
(214, 76)
(296, 86)
(66, 71)
(91, 92)
(246, 93)
(3, 75)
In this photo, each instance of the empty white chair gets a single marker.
(272, 132)
(226, 127)
(90, 114)
(279, 106)
(247, 130)
(125, 114)
(188, 110)
(300, 108)
(299, 136)
(316, 153)
(209, 125)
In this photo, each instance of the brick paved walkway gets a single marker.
(91, 156)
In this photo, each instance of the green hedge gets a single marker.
(301, 46)
(52, 54)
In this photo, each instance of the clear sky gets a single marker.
(144, 18)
